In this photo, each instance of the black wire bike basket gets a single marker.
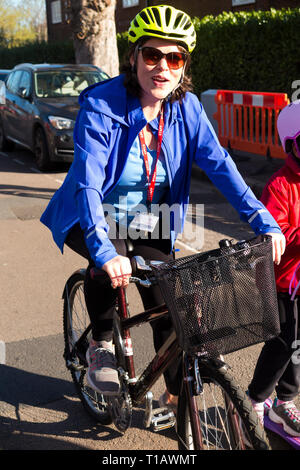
(222, 300)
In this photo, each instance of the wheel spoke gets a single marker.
(221, 406)
(76, 322)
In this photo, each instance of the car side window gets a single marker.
(9, 80)
(13, 81)
(24, 84)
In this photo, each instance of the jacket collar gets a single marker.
(110, 97)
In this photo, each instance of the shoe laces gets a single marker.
(101, 357)
(292, 411)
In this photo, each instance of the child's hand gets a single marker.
(278, 242)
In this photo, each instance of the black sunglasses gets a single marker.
(153, 56)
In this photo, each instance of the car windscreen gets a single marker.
(63, 83)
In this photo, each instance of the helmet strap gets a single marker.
(135, 55)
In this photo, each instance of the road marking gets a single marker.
(35, 170)
(18, 161)
(2, 352)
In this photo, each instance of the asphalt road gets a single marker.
(38, 407)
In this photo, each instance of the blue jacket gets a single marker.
(108, 122)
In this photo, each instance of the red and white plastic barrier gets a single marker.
(247, 121)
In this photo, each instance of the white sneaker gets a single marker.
(258, 407)
(102, 374)
(288, 415)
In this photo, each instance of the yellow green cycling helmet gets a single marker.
(164, 22)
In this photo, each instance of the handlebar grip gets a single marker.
(97, 272)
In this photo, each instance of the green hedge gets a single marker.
(37, 52)
(255, 51)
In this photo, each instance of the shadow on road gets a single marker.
(26, 191)
(40, 412)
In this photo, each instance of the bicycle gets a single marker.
(213, 411)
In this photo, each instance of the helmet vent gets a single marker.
(144, 17)
(151, 14)
(157, 16)
(162, 34)
(168, 16)
(165, 22)
(178, 19)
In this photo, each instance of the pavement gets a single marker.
(39, 409)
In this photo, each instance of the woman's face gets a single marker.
(157, 81)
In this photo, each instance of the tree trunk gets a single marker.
(94, 33)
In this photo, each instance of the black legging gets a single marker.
(101, 312)
(276, 368)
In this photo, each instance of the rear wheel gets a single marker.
(225, 416)
(76, 322)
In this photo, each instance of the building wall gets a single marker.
(58, 31)
(61, 31)
(198, 8)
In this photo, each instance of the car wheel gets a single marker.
(4, 143)
(41, 151)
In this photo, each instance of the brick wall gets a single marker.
(200, 8)
(58, 31)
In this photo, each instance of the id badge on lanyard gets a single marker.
(146, 221)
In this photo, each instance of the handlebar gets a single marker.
(137, 264)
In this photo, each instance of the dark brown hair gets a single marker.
(131, 81)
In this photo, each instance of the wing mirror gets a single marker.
(24, 92)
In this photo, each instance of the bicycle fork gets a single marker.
(193, 387)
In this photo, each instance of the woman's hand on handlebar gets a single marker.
(119, 270)
(278, 242)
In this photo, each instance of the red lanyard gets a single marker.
(151, 184)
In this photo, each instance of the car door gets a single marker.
(10, 109)
(25, 109)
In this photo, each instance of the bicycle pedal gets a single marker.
(162, 418)
(159, 418)
(74, 366)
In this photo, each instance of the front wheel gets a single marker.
(77, 335)
(223, 415)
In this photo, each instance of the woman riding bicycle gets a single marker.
(135, 139)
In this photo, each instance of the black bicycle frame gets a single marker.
(168, 352)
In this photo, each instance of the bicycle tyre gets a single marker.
(74, 324)
(224, 385)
